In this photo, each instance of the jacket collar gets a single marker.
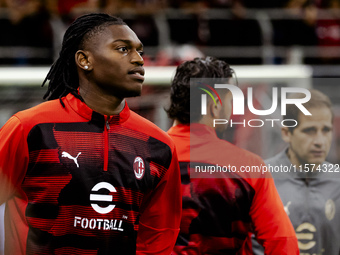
(194, 129)
(86, 112)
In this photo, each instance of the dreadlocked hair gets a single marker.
(63, 77)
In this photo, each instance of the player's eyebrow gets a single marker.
(129, 42)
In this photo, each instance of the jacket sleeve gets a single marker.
(273, 228)
(161, 214)
(13, 158)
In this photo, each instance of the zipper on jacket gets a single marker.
(106, 143)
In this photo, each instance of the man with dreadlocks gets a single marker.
(82, 173)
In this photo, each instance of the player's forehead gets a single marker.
(110, 33)
(321, 117)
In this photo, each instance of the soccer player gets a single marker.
(310, 192)
(221, 211)
(82, 173)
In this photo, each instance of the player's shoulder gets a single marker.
(40, 113)
(250, 164)
(278, 159)
(141, 124)
(246, 155)
(272, 160)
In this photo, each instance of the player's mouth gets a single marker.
(318, 153)
(137, 73)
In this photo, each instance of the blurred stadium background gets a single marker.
(268, 42)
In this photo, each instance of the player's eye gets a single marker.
(327, 129)
(309, 131)
(123, 49)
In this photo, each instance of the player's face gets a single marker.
(116, 58)
(310, 141)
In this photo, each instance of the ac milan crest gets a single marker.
(139, 167)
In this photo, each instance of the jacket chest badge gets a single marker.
(139, 168)
(330, 209)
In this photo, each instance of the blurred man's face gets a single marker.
(310, 141)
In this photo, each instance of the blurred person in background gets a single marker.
(328, 32)
(310, 192)
(82, 173)
(27, 34)
(220, 212)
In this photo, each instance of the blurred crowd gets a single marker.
(175, 30)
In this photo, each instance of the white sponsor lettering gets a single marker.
(255, 122)
(100, 224)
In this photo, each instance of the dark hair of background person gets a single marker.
(63, 77)
(208, 67)
(317, 100)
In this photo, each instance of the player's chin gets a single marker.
(134, 91)
(317, 161)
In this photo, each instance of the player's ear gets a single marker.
(285, 134)
(215, 109)
(82, 60)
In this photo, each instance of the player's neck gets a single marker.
(176, 122)
(101, 103)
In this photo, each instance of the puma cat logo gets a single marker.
(67, 155)
(286, 208)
